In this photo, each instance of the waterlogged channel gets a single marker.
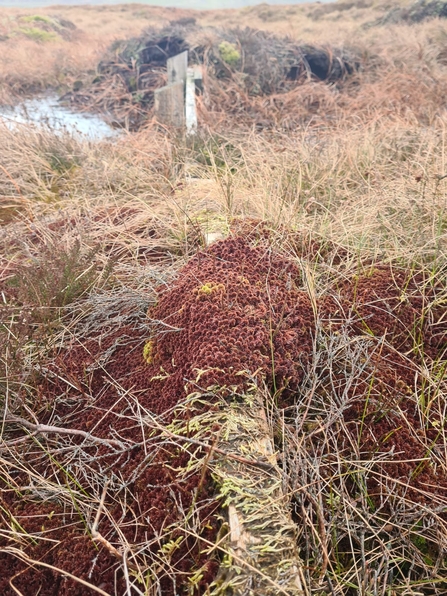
(47, 112)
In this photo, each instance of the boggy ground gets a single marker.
(105, 284)
(109, 301)
(65, 49)
(238, 312)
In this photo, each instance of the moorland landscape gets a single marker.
(223, 354)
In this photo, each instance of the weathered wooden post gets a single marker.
(177, 68)
(190, 103)
(175, 104)
(170, 105)
(261, 549)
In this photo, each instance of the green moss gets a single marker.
(210, 288)
(149, 351)
(38, 34)
(212, 220)
(229, 53)
(243, 280)
(39, 19)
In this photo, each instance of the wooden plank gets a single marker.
(177, 68)
(170, 105)
(262, 554)
(190, 103)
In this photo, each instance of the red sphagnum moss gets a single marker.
(236, 311)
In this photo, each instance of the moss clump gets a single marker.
(243, 280)
(42, 28)
(38, 34)
(39, 19)
(210, 288)
(149, 351)
(229, 53)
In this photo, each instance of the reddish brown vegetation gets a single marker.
(252, 316)
(236, 313)
(239, 313)
(397, 309)
(72, 551)
(151, 479)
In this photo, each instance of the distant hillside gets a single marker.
(193, 4)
